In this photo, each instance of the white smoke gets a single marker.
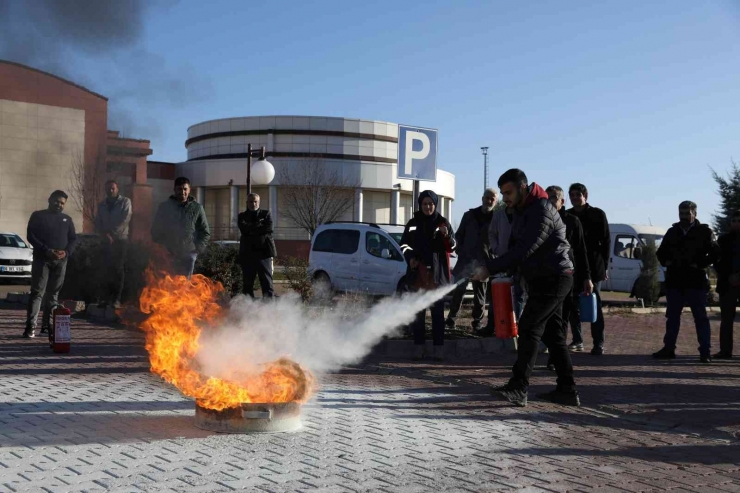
(320, 339)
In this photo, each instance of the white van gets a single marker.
(357, 257)
(624, 265)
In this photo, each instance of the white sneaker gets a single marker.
(438, 353)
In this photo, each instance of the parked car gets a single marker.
(624, 262)
(396, 232)
(16, 258)
(357, 257)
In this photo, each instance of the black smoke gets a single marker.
(99, 44)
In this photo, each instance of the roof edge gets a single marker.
(8, 62)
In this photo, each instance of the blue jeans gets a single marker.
(184, 265)
(696, 299)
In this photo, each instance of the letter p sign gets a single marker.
(417, 153)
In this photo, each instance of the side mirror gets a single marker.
(637, 253)
(385, 253)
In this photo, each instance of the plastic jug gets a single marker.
(588, 307)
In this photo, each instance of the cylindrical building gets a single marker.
(363, 152)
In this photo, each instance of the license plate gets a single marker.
(4, 268)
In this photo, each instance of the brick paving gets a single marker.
(97, 421)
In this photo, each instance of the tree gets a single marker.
(315, 193)
(86, 184)
(647, 286)
(729, 191)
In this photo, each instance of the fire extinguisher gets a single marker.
(60, 334)
(502, 297)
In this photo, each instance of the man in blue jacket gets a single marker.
(52, 235)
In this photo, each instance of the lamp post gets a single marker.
(485, 167)
(264, 172)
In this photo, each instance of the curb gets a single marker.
(102, 314)
(657, 310)
(452, 348)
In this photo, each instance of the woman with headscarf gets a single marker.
(426, 244)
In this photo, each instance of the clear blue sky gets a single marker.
(635, 99)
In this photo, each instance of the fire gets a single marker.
(177, 309)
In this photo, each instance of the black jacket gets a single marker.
(422, 241)
(472, 246)
(686, 256)
(578, 253)
(48, 230)
(728, 248)
(538, 247)
(256, 241)
(598, 240)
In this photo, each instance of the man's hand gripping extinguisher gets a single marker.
(60, 334)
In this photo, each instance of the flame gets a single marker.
(177, 309)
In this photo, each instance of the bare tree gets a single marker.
(86, 184)
(316, 193)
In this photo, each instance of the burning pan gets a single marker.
(250, 418)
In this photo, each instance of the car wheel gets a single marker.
(321, 286)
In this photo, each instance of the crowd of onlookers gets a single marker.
(553, 255)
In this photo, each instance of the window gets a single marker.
(12, 241)
(337, 241)
(397, 237)
(625, 246)
(375, 243)
(656, 238)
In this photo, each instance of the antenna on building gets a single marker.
(485, 167)
(649, 221)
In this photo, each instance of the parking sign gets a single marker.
(417, 153)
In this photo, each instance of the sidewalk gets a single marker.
(96, 420)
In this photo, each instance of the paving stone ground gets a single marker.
(96, 420)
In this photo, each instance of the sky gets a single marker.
(637, 100)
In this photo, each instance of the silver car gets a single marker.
(16, 257)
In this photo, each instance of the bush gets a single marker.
(647, 285)
(295, 271)
(221, 264)
(87, 274)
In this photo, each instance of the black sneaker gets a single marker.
(29, 334)
(44, 329)
(561, 397)
(722, 355)
(597, 351)
(450, 323)
(665, 353)
(705, 358)
(551, 367)
(518, 397)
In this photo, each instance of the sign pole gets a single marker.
(416, 195)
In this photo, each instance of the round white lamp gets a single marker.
(262, 172)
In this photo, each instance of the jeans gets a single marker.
(597, 328)
(518, 298)
(480, 289)
(114, 256)
(542, 320)
(438, 324)
(676, 300)
(261, 268)
(728, 306)
(47, 278)
(184, 265)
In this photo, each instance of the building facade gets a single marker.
(363, 151)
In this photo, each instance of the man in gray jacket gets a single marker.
(499, 235)
(180, 225)
(111, 223)
(473, 250)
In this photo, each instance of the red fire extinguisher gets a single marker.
(60, 334)
(502, 297)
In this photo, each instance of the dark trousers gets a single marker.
(184, 265)
(47, 278)
(438, 324)
(518, 300)
(542, 319)
(114, 256)
(568, 305)
(480, 290)
(597, 328)
(261, 268)
(696, 299)
(728, 306)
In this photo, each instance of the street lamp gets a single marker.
(263, 170)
